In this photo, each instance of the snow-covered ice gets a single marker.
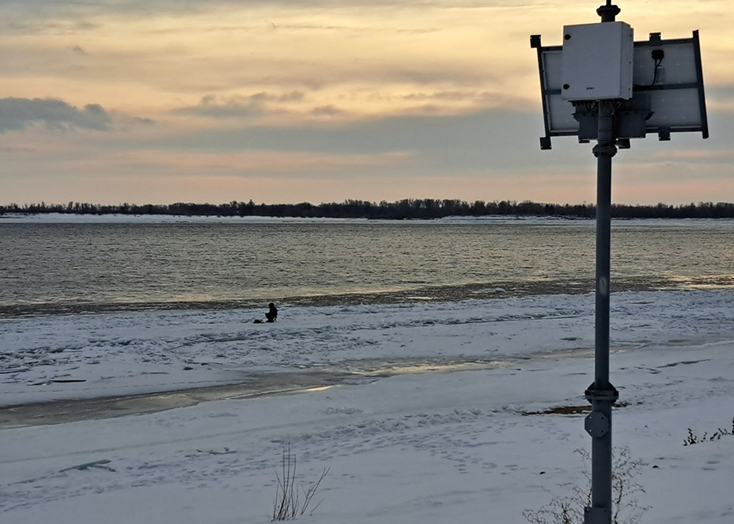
(421, 446)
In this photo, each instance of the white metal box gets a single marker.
(597, 62)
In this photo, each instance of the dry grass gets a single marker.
(692, 438)
(288, 503)
(569, 509)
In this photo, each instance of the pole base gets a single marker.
(597, 516)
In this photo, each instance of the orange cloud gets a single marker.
(256, 162)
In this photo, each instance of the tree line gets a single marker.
(408, 208)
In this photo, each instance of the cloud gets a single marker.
(78, 50)
(53, 114)
(720, 98)
(486, 139)
(238, 106)
(457, 96)
(123, 121)
(419, 31)
(328, 110)
(693, 155)
(293, 96)
(6, 149)
(247, 163)
(20, 113)
(56, 9)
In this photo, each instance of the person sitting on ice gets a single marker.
(272, 313)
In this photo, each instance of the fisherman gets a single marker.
(272, 313)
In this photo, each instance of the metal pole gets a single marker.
(601, 393)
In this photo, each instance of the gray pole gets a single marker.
(601, 393)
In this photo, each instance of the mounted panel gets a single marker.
(674, 83)
(667, 80)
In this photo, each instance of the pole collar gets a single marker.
(605, 149)
(608, 12)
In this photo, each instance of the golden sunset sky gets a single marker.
(321, 100)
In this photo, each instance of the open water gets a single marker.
(66, 268)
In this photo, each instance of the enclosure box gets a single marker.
(668, 93)
(597, 62)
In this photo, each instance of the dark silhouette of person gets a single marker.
(272, 313)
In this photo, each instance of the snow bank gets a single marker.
(425, 448)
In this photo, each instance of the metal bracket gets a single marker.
(545, 141)
(630, 118)
(596, 515)
(609, 395)
(596, 424)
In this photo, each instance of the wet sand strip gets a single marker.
(63, 411)
(254, 385)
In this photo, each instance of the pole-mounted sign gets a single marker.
(602, 85)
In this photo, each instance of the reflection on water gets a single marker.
(67, 268)
(702, 282)
(412, 366)
(316, 389)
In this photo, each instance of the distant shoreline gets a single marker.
(117, 218)
(406, 209)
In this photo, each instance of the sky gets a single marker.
(161, 101)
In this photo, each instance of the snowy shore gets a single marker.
(469, 444)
